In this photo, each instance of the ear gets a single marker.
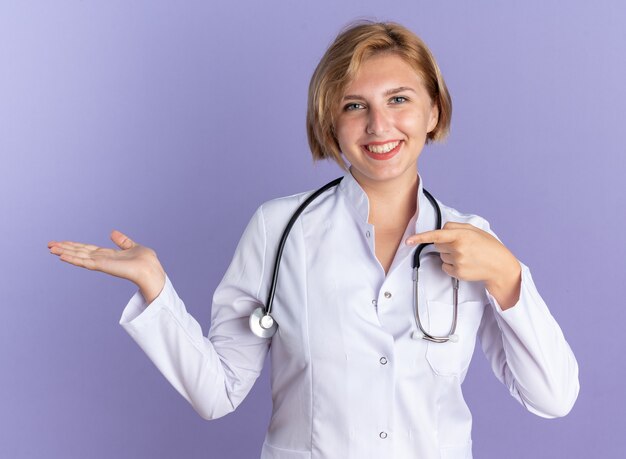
(433, 119)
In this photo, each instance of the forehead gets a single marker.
(381, 72)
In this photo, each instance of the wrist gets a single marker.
(506, 286)
(152, 282)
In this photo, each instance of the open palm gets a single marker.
(131, 262)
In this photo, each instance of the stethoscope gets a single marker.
(263, 324)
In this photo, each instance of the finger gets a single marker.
(61, 243)
(69, 252)
(121, 240)
(436, 236)
(75, 245)
(82, 262)
(448, 269)
(447, 258)
(457, 225)
(58, 249)
(445, 247)
(78, 250)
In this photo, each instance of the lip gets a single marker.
(382, 156)
(384, 142)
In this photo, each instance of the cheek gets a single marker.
(409, 124)
(415, 123)
(346, 133)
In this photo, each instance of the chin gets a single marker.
(383, 175)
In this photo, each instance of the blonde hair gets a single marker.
(340, 64)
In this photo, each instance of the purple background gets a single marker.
(172, 121)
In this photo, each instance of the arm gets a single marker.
(216, 372)
(528, 352)
(519, 336)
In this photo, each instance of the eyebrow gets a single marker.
(389, 92)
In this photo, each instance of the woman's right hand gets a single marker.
(134, 262)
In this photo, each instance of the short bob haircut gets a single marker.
(340, 64)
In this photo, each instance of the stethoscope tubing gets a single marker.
(283, 240)
(455, 284)
(261, 320)
(262, 323)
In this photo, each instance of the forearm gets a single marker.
(529, 353)
(213, 377)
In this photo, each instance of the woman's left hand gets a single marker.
(471, 254)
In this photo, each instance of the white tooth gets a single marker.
(385, 148)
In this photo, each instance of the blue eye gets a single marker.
(398, 99)
(353, 106)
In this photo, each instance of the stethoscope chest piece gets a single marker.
(262, 324)
(450, 338)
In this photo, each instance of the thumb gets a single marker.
(121, 240)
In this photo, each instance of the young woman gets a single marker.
(368, 354)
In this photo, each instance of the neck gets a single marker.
(391, 203)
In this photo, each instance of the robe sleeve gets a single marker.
(213, 373)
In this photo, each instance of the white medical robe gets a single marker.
(348, 380)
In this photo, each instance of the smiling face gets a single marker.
(383, 119)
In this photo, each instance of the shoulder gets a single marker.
(273, 216)
(270, 220)
(280, 210)
(450, 214)
(283, 205)
(277, 212)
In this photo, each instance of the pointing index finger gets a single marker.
(435, 236)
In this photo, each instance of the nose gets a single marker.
(377, 121)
